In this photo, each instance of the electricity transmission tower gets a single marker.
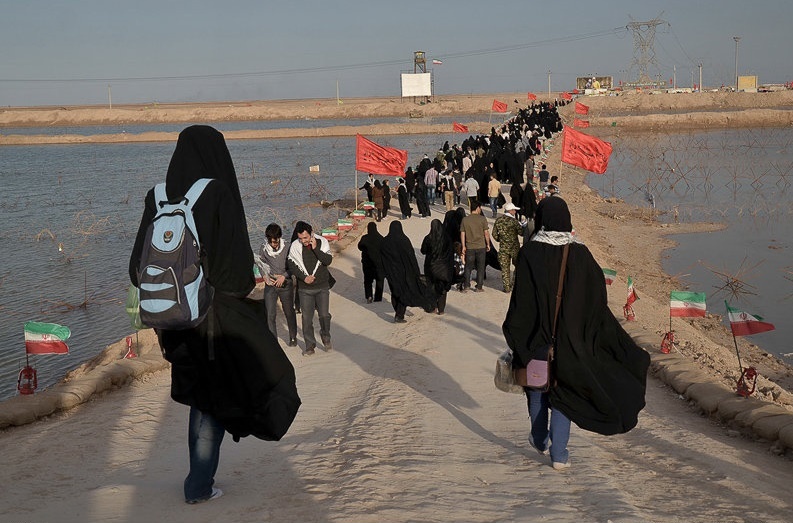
(644, 49)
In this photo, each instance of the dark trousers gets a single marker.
(287, 296)
(442, 302)
(474, 259)
(370, 277)
(399, 307)
(315, 300)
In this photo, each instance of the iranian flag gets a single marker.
(744, 324)
(684, 304)
(632, 296)
(609, 274)
(46, 338)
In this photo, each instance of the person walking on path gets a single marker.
(493, 192)
(438, 262)
(475, 239)
(309, 258)
(232, 343)
(278, 284)
(506, 231)
(471, 191)
(403, 197)
(378, 197)
(372, 263)
(407, 285)
(598, 372)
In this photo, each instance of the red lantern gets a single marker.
(28, 381)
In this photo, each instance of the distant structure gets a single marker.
(644, 51)
(419, 62)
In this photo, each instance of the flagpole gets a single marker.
(490, 116)
(356, 189)
(735, 341)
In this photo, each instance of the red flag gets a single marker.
(459, 128)
(585, 151)
(499, 107)
(376, 159)
(567, 96)
(581, 108)
(583, 124)
(532, 96)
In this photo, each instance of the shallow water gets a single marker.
(743, 178)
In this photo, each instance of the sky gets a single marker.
(57, 52)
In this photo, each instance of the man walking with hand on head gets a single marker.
(309, 258)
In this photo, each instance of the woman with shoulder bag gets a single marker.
(597, 373)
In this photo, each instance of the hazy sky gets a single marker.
(69, 52)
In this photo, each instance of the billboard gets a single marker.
(416, 84)
(600, 82)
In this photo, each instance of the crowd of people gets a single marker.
(593, 352)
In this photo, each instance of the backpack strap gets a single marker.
(195, 192)
(160, 197)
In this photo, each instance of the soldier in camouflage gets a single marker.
(506, 231)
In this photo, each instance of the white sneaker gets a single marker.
(216, 493)
(560, 466)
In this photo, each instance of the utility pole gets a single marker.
(110, 96)
(674, 76)
(700, 77)
(549, 84)
(737, 39)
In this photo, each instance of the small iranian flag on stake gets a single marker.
(627, 310)
(745, 324)
(684, 304)
(609, 274)
(46, 338)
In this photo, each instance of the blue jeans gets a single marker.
(494, 205)
(431, 194)
(205, 434)
(553, 437)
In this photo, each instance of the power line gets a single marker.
(306, 70)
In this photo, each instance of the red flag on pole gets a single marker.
(567, 96)
(459, 128)
(581, 108)
(376, 159)
(585, 151)
(499, 107)
(532, 96)
(583, 124)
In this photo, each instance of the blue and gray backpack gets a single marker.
(172, 286)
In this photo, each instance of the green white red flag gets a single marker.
(744, 324)
(685, 304)
(632, 296)
(46, 338)
(609, 274)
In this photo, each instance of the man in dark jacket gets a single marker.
(309, 258)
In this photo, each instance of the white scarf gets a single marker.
(296, 253)
(555, 237)
(274, 252)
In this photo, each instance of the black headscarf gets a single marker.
(230, 365)
(370, 246)
(599, 371)
(451, 223)
(438, 257)
(402, 270)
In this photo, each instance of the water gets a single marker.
(88, 199)
(256, 125)
(743, 178)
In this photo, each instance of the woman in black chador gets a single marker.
(403, 197)
(598, 371)
(438, 261)
(408, 287)
(230, 369)
(372, 263)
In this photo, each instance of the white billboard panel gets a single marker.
(416, 84)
